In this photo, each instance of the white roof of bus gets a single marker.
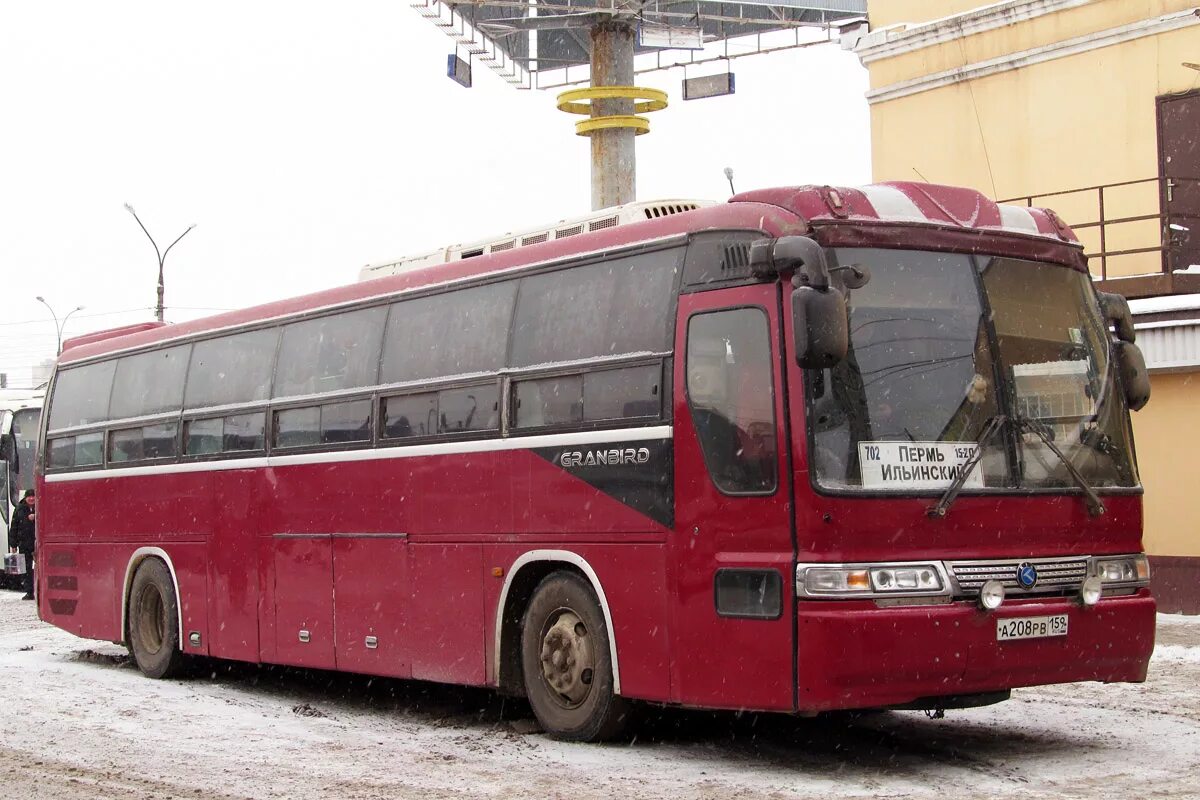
(16, 399)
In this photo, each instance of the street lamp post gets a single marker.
(58, 327)
(162, 257)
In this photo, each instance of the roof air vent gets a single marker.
(563, 233)
(601, 224)
(666, 210)
(537, 238)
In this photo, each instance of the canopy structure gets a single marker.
(543, 44)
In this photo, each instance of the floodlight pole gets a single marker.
(614, 165)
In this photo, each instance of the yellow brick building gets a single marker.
(1092, 108)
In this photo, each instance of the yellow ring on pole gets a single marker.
(654, 99)
(579, 101)
(586, 127)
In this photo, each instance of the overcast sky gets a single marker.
(307, 139)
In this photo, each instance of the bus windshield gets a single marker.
(943, 343)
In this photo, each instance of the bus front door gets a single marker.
(733, 540)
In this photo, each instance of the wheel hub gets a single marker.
(568, 663)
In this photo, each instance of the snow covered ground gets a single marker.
(79, 721)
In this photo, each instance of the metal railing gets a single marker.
(1168, 223)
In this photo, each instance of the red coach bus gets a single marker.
(810, 449)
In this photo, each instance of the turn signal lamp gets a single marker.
(1091, 590)
(837, 580)
(991, 595)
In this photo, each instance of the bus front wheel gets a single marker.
(154, 621)
(567, 664)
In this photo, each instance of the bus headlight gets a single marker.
(920, 578)
(1122, 570)
(869, 580)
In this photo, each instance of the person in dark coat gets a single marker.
(21, 537)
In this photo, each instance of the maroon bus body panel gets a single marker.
(370, 575)
(303, 568)
(233, 577)
(93, 530)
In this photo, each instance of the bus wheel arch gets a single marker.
(151, 606)
(523, 578)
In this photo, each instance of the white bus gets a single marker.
(20, 415)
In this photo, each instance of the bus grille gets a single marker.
(1055, 575)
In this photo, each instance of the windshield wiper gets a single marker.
(1094, 504)
(988, 433)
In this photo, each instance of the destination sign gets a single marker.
(916, 465)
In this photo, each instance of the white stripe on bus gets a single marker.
(377, 454)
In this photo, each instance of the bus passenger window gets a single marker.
(125, 445)
(550, 401)
(139, 444)
(346, 422)
(622, 393)
(202, 437)
(149, 383)
(62, 453)
(84, 450)
(730, 393)
(81, 395)
(89, 449)
(158, 441)
(456, 333)
(298, 427)
(231, 369)
(330, 353)
(474, 408)
(410, 415)
(243, 432)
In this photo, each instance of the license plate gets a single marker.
(1030, 627)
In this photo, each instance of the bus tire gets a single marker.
(566, 662)
(154, 621)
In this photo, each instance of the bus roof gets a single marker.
(16, 399)
(919, 211)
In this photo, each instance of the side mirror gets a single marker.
(4, 499)
(1134, 377)
(8, 447)
(820, 327)
(1116, 312)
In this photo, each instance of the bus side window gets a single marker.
(202, 437)
(298, 427)
(623, 393)
(328, 354)
(549, 401)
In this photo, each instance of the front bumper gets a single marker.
(854, 654)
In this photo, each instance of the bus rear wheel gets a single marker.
(154, 621)
(567, 664)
